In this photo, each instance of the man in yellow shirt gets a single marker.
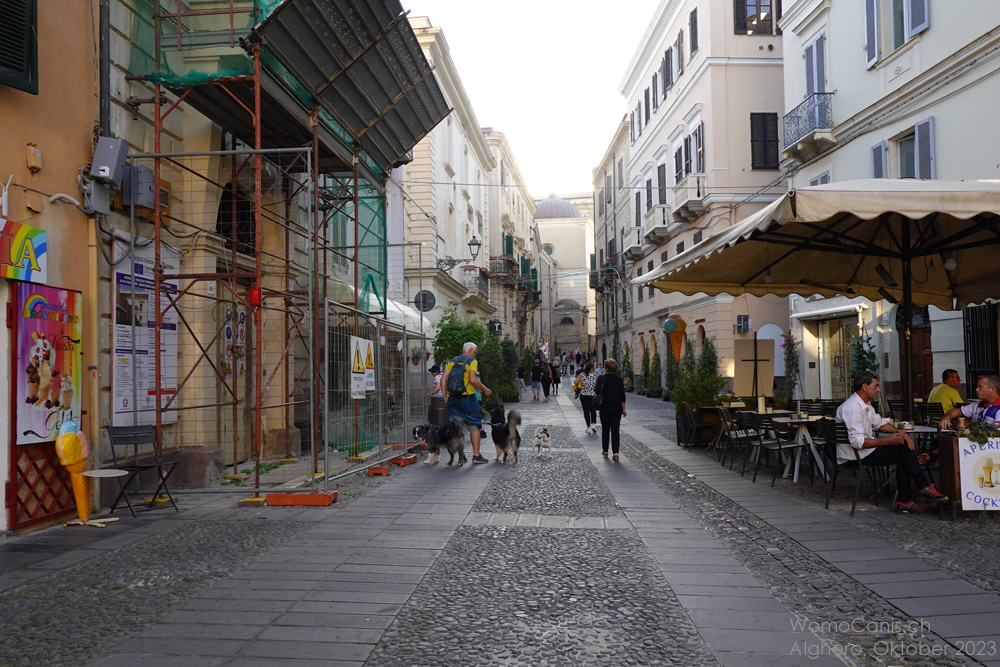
(945, 393)
(460, 395)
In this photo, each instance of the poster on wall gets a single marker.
(235, 340)
(134, 384)
(23, 252)
(49, 372)
(980, 471)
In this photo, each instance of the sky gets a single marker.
(546, 74)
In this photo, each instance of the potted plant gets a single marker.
(698, 384)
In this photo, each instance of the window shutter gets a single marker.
(632, 126)
(638, 209)
(508, 245)
(680, 53)
(880, 159)
(776, 8)
(771, 140)
(871, 32)
(693, 22)
(607, 188)
(678, 165)
(757, 157)
(825, 178)
(663, 75)
(638, 118)
(680, 247)
(919, 18)
(699, 134)
(740, 17)
(697, 237)
(19, 45)
(810, 69)
(820, 64)
(649, 193)
(664, 255)
(687, 155)
(645, 97)
(656, 90)
(661, 183)
(924, 148)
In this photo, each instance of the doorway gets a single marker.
(835, 338)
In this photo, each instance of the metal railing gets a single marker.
(503, 266)
(815, 113)
(476, 281)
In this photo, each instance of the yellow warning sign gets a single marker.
(359, 365)
(369, 362)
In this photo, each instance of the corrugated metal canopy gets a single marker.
(362, 62)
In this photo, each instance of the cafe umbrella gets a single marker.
(915, 243)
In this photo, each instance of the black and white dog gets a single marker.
(451, 436)
(542, 440)
(505, 437)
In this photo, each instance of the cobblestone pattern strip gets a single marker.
(802, 581)
(75, 614)
(542, 597)
(560, 483)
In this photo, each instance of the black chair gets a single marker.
(835, 432)
(898, 408)
(733, 436)
(768, 440)
(137, 437)
(931, 414)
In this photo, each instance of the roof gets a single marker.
(553, 207)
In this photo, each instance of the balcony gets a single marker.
(633, 250)
(688, 196)
(503, 270)
(477, 283)
(809, 127)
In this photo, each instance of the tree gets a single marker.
(698, 382)
(863, 354)
(508, 389)
(644, 370)
(527, 360)
(494, 374)
(627, 373)
(790, 346)
(653, 388)
(453, 333)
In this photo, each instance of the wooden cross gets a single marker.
(756, 359)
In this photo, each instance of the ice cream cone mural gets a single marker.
(675, 327)
(72, 448)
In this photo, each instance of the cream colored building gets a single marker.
(445, 187)
(705, 89)
(511, 242)
(612, 214)
(886, 89)
(567, 236)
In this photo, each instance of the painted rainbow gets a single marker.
(35, 302)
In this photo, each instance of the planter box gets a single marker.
(301, 499)
(405, 460)
(378, 470)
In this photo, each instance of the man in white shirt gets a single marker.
(897, 449)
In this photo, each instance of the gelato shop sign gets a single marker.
(23, 252)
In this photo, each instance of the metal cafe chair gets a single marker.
(835, 432)
(931, 414)
(768, 440)
(897, 407)
(733, 436)
(138, 437)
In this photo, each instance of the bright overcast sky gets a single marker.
(546, 74)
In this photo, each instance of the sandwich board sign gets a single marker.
(359, 350)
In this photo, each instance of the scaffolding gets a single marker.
(267, 250)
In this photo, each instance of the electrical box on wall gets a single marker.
(109, 161)
(137, 191)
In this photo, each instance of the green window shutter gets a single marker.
(19, 44)
(593, 262)
(534, 278)
(508, 245)
(525, 266)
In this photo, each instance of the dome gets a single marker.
(553, 207)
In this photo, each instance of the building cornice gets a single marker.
(619, 139)
(663, 18)
(802, 14)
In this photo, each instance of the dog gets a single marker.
(542, 440)
(451, 436)
(505, 437)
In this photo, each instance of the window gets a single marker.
(898, 23)
(621, 173)
(699, 148)
(693, 29)
(680, 247)
(548, 249)
(663, 256)
(645, 105)
(697, 238)
(680, 53)
(907, 156)
(656, 96)
(19, 45)
(638, 209)
(757, 17)
(649, 267)
(661, 183)
(822, 179)
(678, 165)
(566, 320)
(607, 188)
(902, 20)
(649, 193)
(668, 69)
(816, 66)
(639, 292)
(764, 141)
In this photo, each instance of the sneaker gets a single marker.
(479, 459)
(931, 494)
(906, 508)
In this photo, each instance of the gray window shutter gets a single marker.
(19, 45)
(661, 182)
(810, 69)
(919, 18)
(632, 126)
(693, 27)
(687, 155)
(699, 135)
(663, 76)
(871, 32)
(740, 17)
(680, 53)
(924, 148)
(821, 64)
(880, 160)
(670, 67)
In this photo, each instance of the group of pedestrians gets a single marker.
(602, 391)
(544, 377)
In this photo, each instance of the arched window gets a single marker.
(566, 320)
(548, 249)
(236, 211)
(642, 346)
(699, 340)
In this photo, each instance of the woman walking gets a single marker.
(588, 388)
(546, 380)
(612, 408)
(556, 374)
(437, 413)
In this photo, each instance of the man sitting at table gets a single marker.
(945, 393)
(988, 407)
(862, 421)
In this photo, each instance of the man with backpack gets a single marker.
(461, 379)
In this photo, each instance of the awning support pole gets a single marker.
(907, 319)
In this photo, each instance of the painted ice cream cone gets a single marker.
(81, 489)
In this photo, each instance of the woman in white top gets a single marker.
(588, 384)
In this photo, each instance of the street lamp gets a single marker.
(474, 247)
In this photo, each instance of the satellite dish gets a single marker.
(424, 300)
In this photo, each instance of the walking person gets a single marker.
(546, 380)
(556, 378)
(437, 413)
(460, 383)
(520, 377)
(536, 380)
(588, 389)
(612, 407)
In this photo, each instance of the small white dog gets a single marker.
(542, 440)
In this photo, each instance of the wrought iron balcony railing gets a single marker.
(477, 281)
(815, 113)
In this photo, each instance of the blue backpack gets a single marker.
(456, 376)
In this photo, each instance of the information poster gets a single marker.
(235, 335)
(134, 384)
(49, 371)
(980, 472)
(361, 352)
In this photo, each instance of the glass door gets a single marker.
(836, 337)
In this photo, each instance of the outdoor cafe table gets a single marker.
(801, 435)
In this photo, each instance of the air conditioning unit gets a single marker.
(742, 325)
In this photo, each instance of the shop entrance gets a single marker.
(835, 338)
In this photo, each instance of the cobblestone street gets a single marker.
(665, 558)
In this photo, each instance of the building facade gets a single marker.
(704, 88)
(512, 244)
(567, 237)
(445, 189)
(885, 89)
(612, 214)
